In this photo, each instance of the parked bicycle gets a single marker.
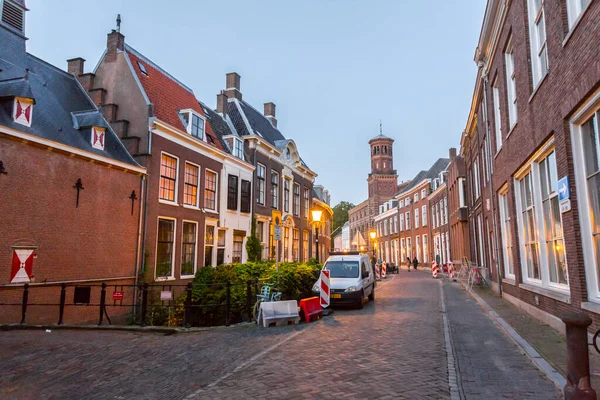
(267, 293)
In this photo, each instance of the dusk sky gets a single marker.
(333, 68)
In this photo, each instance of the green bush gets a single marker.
(295, 281)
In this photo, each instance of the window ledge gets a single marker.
(537, 88)
(169, 278)
(553, 294)
(512, 129)
(590, 306)
(510, 281)
(167, 202)
(191, 207)
(210, 211)
(575, 25)
(187, 276)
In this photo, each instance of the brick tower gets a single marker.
(383, 179)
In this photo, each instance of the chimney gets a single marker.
(75, 66)
(452, 153)
(232, 86)
(222, 103)
(114, 43)
(270, 113)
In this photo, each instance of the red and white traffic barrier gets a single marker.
(324, 288)
(451, 272)
(384, 270)
(434, 269)
(377, 272)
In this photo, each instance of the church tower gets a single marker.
(383, 179)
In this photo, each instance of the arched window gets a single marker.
(384, 149)
(374, 150)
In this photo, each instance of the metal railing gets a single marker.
(148, 303)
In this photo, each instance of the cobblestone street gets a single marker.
(393, 348)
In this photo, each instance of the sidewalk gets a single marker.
(548, 342)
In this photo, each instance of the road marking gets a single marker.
(453, 374)
(245, 364)
(261, 354)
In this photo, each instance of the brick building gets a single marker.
(457, 208)
(70, 210)
(439, 250)
(386, 226)
(283, 181)
(534, 123)
(322, 201)
(382, 185)
(413, 208)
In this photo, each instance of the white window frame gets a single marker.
(186, 221)
(417, 212)
(445, 210)
(461, 193)
(416, 197)
(424, 215)
(538, 43)
(401, 204)
(238, 151)
(261, 179)
(575, 9)
(407, 219)
(423, 193)
(214, 243)
(198, 186)
(511, 84)
(497, 114)
(476, 183)
(425, 249)
(480, 240)
(533, 167)
(401, 222)
(418, 253)
(592, 273)
(188, 128)
(216, 190)
(505, 229)
(172, 276)
(165, 201)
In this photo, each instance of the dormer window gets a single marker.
(194, 123)
(13, 15)
(142, 68)
(238, 148)
(98, 137)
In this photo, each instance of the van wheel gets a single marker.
(372, 295)
(361, 301)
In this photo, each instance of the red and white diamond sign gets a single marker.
(98, 136)
(22, 110)
(22, 266)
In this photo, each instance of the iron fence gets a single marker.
(156, 304)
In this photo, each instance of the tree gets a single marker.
(340, 216)
(253, 245)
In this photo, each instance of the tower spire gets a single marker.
(380, 127)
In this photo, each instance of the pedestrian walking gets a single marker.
(408, 262)
(415, 263)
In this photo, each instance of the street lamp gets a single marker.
(316, 216)
(373, 236)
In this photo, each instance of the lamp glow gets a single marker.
(316, 215)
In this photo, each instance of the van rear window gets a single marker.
(342, 269)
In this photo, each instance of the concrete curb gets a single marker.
(540, 362)
(123, 328)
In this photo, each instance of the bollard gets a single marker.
(578, 362)
(102, 302)
(63, 296)
(144, 304)
(24, 305)
(227, 302)
(249, 299)
(187, 305)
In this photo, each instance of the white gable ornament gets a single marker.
(98, 137)
(22, 111)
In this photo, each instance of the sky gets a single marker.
(334, 68)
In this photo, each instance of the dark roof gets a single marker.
(57, 95)
(258, 123)
(219, 126)
(18, 87)
(440, 165)
(380, 136)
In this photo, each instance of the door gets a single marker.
(366, 278)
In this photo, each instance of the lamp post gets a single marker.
(373, 236)
(316, 216)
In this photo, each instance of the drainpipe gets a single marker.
(491, 182)
(140, 239)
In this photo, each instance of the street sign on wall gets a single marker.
(564, 194)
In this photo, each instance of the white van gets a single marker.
(351, 279)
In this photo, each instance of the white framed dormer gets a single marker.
(191, 185)
(164, 265)
(195, 124)
(189, 249)
(168, 182)
(539, 221)
(238, 148)
(585, 139)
